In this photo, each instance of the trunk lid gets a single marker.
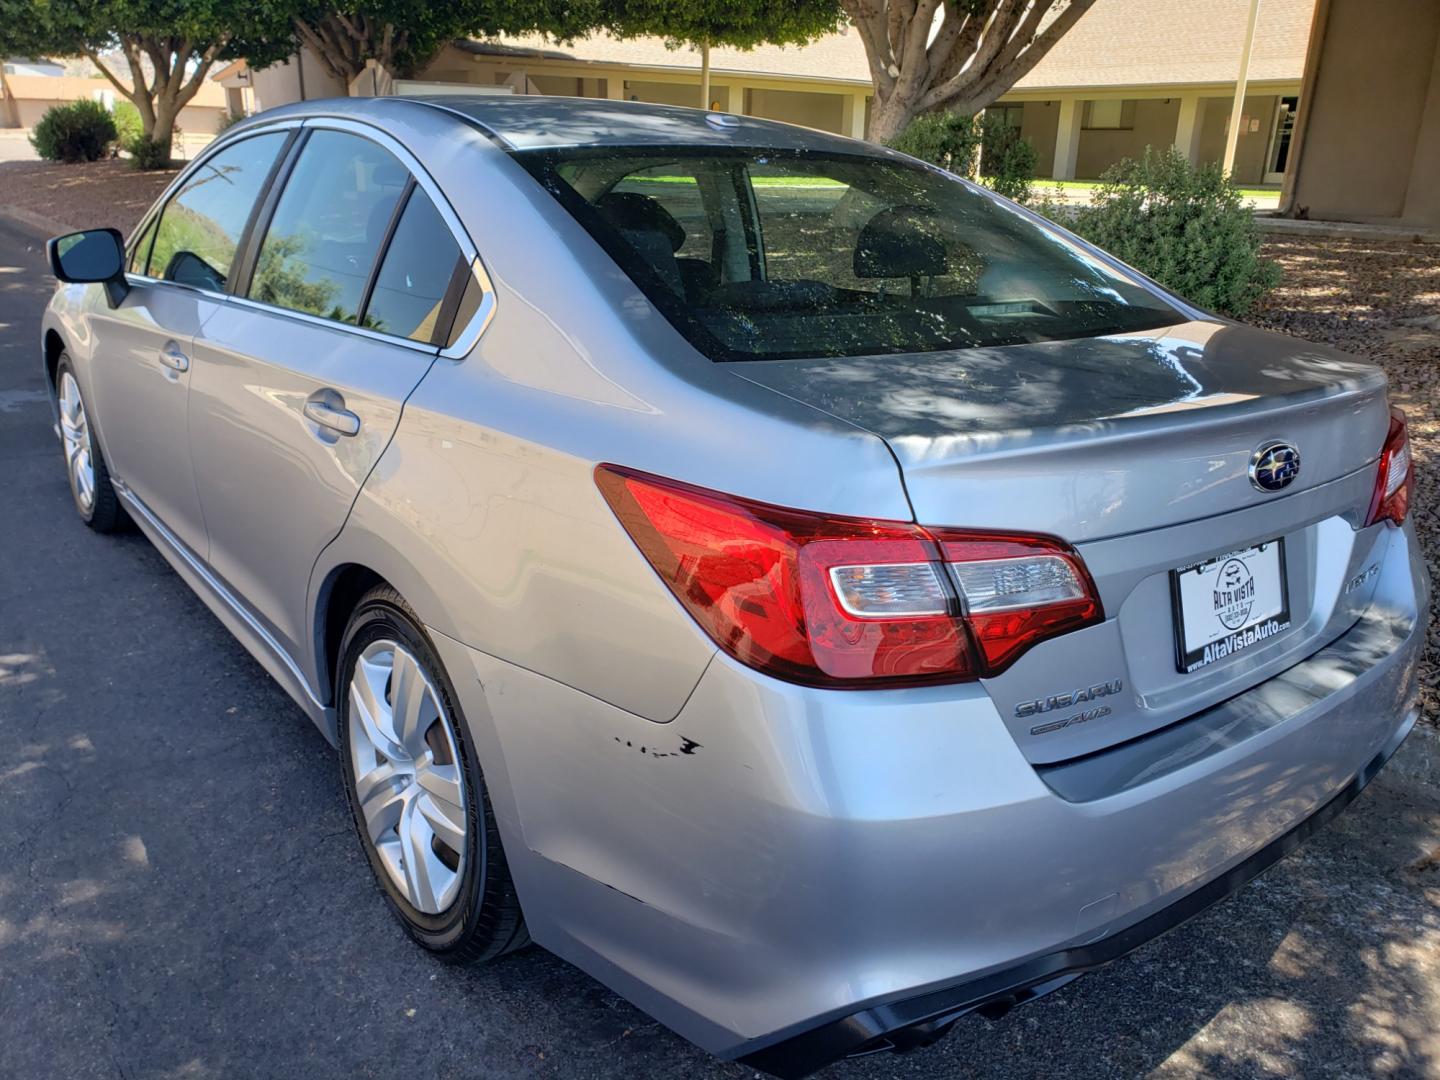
(1137, 450)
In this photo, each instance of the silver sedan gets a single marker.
(811, 594)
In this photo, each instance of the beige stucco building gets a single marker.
(1367, 141)
(25, 96)
(1131, 73)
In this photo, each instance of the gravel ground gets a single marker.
(86, 196)
(1381, 301)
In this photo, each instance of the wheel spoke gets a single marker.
(419, 859)
(445, 819)
(410, 700)
(373, 714)
(380, 795)
(443, 784)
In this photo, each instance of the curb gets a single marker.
(1344, 230)
(47, 225)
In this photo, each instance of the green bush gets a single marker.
(127, 123)
(946, 139)
(227, 121)
(148, 153)
(1004, 161)
(76, 131)
(1186, 227)
(1007, 161)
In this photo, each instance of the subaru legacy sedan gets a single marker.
(816, 597)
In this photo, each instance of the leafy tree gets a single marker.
(960, 55)
(169, 46)
(402, 36)
(741, 24)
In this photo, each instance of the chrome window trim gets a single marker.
(427, 347)
(480, 320)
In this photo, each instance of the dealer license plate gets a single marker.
(1229, 603)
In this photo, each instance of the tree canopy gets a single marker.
(402, 36)
(741, 24)
(169, 46)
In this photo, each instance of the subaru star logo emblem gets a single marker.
(1274, 466)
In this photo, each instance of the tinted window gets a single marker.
(200, 226)
(815, 254)
(328, 226)
(419, 263)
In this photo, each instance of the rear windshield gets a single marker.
(767, 255)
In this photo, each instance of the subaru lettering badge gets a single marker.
(1274, 466)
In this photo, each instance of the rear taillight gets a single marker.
(1396, 481)
(850, 602)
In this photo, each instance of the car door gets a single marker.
(141, 364)
(298, 383)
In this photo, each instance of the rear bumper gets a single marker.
(920, 1020)
(786, 875)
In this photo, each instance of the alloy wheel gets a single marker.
(409, 784)
(75, 431)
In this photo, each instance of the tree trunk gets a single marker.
(704, 75)
(888, 118)
(167, 110)
(951, 55)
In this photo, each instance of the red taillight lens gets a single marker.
(1396, 482)
(1018, 591)
(847, 601)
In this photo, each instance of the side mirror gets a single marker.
(95, 255)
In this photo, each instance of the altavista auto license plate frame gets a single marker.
(1228, 603)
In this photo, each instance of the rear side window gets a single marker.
(202, 223)
(410, 291)
(757, 254)
(328, 227)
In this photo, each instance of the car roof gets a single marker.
(533, 122)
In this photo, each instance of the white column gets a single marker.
(852, 116)
(1067, 139)
(615, 87)
(1187, 129)
(1237, 107)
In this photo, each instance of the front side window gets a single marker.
(201, 226)
(422, 259)
(328, 226)
(759, 254)
(139, 256)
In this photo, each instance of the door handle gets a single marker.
(173, 358)
(339, 420)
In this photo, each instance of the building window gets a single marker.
(1012, 115)
(1109, 115)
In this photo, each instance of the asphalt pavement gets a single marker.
(181, 894)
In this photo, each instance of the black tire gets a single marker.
(104, 514)
(484, 919)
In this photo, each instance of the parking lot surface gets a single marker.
(181, 894)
